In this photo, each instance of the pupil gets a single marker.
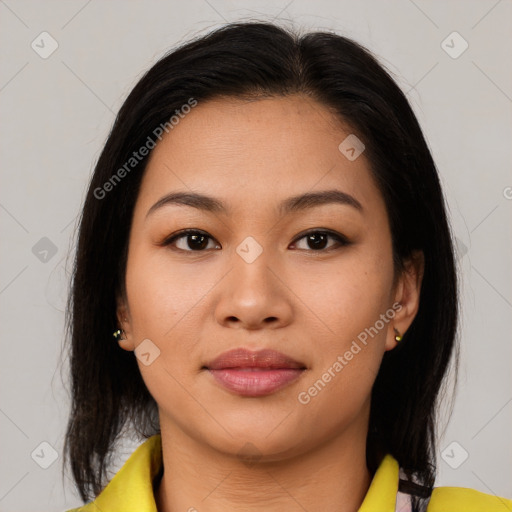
(195, 238)
(314, 241)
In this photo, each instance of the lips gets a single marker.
(254, 374)
(242, 358)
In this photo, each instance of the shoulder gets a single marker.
(131, 488)
(455, 499)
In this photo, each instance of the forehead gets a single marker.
(256, 151)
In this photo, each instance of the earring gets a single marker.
(119, 335)
(398, 336)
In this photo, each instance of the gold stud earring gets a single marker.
(119, 335)
(398, 336)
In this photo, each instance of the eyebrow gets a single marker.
(292, 204)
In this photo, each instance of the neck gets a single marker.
(333, 476)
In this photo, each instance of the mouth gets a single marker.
(254, 374)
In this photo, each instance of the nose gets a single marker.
(253, 295)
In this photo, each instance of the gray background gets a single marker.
(56, 113)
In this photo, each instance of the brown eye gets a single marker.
(190, 240)
(318, 240)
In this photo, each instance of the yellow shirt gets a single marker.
(131, 489)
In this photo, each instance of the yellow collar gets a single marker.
(131, 489)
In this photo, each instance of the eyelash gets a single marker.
(339, 238)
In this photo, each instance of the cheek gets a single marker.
(349, 294)
(164, 302)
(163, 306)
(160, 293)
(346, 301)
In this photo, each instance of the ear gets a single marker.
(124, 323)
(406, 297)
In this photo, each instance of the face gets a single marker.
(312, 279)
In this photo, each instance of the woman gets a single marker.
(266, 236)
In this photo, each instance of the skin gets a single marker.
(309, 304)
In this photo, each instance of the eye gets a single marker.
(193, 240)
(317, 240)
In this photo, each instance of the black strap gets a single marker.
(408, 487)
